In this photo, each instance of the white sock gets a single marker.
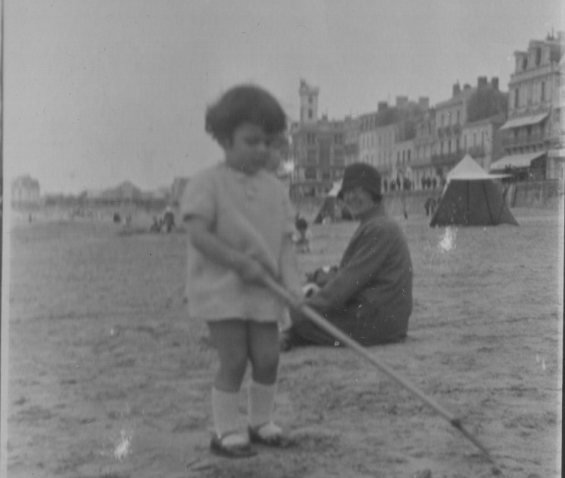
(225, 411)
(261, 399)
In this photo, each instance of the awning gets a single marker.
(516, 161)
(524, 121)
(556, 153)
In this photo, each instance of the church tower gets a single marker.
(308, 103)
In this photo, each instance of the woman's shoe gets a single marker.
(269, 434)
(232, 445)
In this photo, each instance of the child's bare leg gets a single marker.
(229, 337)
(264, 355)
(264, 351)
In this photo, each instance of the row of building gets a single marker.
(415, 145)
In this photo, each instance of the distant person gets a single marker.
(427, 205)
(168, 220)
(433, 205)
(369, 296)
(240, 223)
(303, 239)
(156, 226)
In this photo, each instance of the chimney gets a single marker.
(456, 89)
(494, 83)
(401, 102)
(467, 87)
(382, 106)
(482, 81)
(424, 102)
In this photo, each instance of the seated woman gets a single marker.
(370, 295)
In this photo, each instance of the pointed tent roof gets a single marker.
(472, 198)
(329, 205)
(468, 169)
(335, 189)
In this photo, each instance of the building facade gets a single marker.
(533, 124)
(368, 150)
(25, 191)
(318, 149)
(351, 140)
(482, 141)
(403, 154)
(423, 172)
(450, 117)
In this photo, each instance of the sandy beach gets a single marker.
(110, 379)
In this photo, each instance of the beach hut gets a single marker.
(472, 197)
(331, 209)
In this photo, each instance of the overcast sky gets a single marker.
(97, 92)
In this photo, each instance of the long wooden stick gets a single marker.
(296, 303)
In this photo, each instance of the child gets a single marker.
(302, 241)
(239, 222)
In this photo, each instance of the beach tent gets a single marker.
(331, 208)
(472, 197)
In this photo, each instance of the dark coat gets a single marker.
(370, 296)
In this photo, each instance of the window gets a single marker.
(538, 56)
(310, 114)
(310, 173)
(516, 98)
(310, 99)
(543, 91)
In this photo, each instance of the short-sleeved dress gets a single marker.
(253, 215)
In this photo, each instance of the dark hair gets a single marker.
(244, 104)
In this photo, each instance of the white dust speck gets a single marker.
(123, 446)
(447, 242)
(543, 364)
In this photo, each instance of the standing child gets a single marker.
(240, 221)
